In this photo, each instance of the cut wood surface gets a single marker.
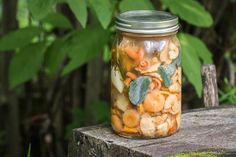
(201, 129)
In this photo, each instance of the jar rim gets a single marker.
(147, 22)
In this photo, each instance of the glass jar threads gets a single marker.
(146, 75)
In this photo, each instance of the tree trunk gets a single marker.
(93, 86)
(8, 100)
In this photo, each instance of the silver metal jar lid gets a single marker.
(147, 22)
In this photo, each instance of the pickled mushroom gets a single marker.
(154, 101)
(130, 130)
(122, 102)
(172, 46)
(131, 118)
(173, 127)
(160, 119)
(147, 125)
(117, 79)
(151, 68)
(131, 75)
(173, 54)
(134, 52)
(179, 75)
(127, 81)
(155, 84)
(170, 101)
(144, 64)
(175, 87)
(174, 77)
(116, 123)
(178, 120)
(141, 109)
(154, 74)
(162, 129)
(176, 108)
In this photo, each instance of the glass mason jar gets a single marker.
(146, 75)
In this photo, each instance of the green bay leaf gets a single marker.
(166, 71)
(138, 89)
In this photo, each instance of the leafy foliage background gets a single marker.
(57, 69)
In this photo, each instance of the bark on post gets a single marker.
(210, 89)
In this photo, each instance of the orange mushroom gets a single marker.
(155, 84)
(141, 109)
(144, 64)
(131, 75)
(116, 123)
(134, 52)
(178, 118)
(130, 130)
(131, 118)
(162, 129)
(160, 119)
(154, 101)
(127, 81)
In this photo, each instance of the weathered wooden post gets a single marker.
(201, 129)
(210, 90)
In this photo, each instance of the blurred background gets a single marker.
(55, 60)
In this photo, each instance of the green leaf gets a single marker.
(84, 45)
(191, 11)
(166, 72)
(138, 89)
(100, 111)
(126, 5)
(103, 10)
(25, 64)
(191, 63)
(18, 38)
(202, 51)
(40, 8)
(79, 8)
(57, 20)
(106, 54)
(55, 55)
